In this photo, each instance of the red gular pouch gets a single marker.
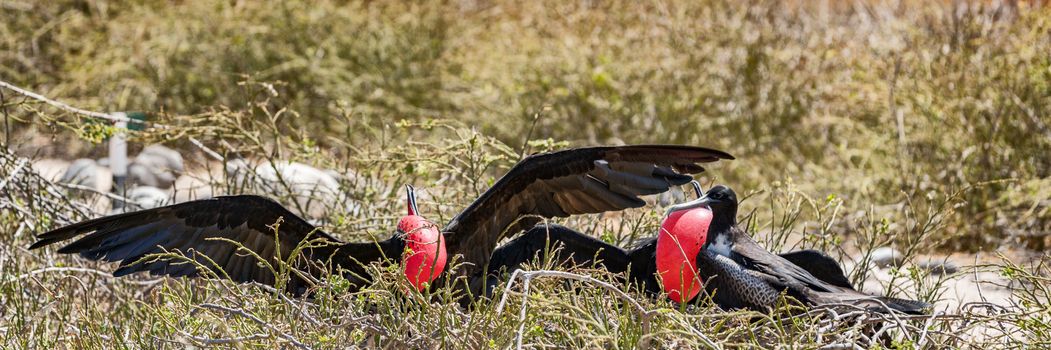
(424, 256)
(681, 236)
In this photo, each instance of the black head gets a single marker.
(723, 202)
(722, 193)
(720, 199)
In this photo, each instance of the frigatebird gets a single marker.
(745, 275)
(554, 184)
(700, 245)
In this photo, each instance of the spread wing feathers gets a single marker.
(203, 230)
(563, 183)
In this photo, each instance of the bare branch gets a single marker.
(71, 109)
(253, 318)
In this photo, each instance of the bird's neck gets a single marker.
(722, 232)
(723, 219)
(393, 247)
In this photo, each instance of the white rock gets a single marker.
(147, 197)
(886, 257)
(156, 166)
(87, 172)
(315, 190)
(195, 186)
(50, 169)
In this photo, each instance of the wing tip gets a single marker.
(718, 154)
(50, 237)
(914, 307)
(40, 244)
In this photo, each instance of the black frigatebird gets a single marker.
(745, 275)
(554, 184)
(699, 244)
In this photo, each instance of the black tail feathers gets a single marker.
(912, 307)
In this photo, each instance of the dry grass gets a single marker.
(914, 124)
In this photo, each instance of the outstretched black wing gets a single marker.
(563, 183)
(204, 230)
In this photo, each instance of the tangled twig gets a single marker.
(253, 318)
(645, 315)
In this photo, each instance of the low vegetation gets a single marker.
(918, 125)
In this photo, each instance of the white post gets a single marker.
(118, 157)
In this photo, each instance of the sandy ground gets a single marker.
(974, 281)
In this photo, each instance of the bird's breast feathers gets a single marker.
(721, 244)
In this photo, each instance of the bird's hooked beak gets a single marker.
(702, 200)
(410, 194)
(697, 188)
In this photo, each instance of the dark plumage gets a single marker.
(555, 184)
(572, 247)
(741, 274)
(203, 230)
(559, 184)
(737, 272)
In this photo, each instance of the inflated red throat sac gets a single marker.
(681, 236)
(423, 258)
